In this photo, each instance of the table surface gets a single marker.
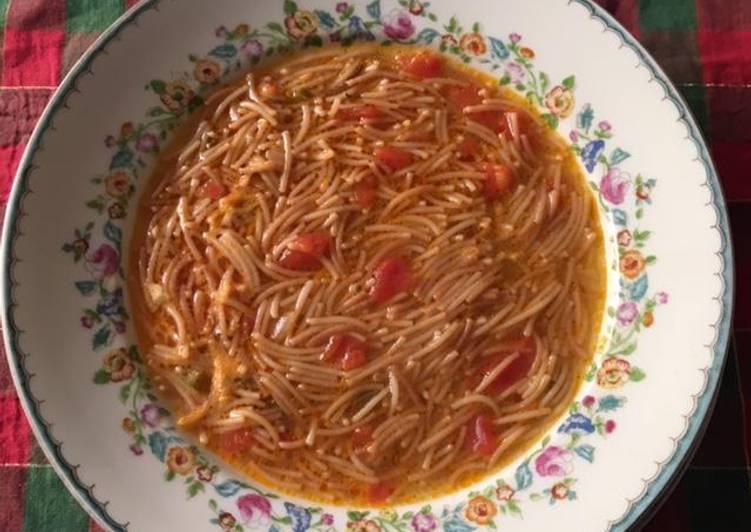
(703, 45)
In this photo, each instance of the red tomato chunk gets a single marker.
(463, 96)
(305, 251)
(392, 276)
(498, 180)
(394, 158)
(421, 65)
(346, 351)
(362, 436)
(236, 441)
(468, 149)
(513, 373)
(214, 190)
(481, 438)
(366, 191)
(380, 492)
(369, 112)
(353, 359)
(298, 261)
(316, 244)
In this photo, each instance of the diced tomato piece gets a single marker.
(316, 243)
(392, 276)
(305, 251)
(495, 121)
(236, 441)
(394, 158)
(355, 344)
(480, 436)
(362, 436)
(517, 370)
(370, 112)
(523, 122)
(461, 96)
(498, 180)
(298, 261)
(335, 348)
(468, 149)
(366, 191)
(422, 64)
(379, 492)
(353, 359)
(347, 351)
(214, 189)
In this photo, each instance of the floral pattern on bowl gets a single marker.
(548, 473)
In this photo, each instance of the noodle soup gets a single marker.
(367, 275)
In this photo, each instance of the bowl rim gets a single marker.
(640, 508)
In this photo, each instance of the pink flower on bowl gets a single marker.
(252, 48)
(516, 72)
(515, 38)
(146, 143)
(398, 25)
(554, 462)
(255, 509)
(626, 313)
(662, 298)
(613, 186)
(151, 415)
(102, 262)
(423, 522)
(136, 449)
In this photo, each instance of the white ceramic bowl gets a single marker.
(65, 319)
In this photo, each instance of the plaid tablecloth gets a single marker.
(705, 47)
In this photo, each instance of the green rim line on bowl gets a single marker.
(652, 488)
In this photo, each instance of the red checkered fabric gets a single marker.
(704, 45)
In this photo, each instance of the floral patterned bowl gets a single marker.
(65, 314)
